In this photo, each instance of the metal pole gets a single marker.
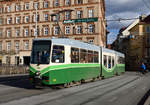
(36, 24)
(57, 18)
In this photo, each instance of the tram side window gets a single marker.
(58, 54)
(90, 56)
(121, 60)
(105, 60)
(83, 56)
(96, 57)
(74, 55)
(109, 62)
(113, 62)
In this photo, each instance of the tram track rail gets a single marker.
(110, 83)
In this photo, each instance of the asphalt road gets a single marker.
(127, 89)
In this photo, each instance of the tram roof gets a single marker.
(76, 43)
(71, 42)
(113, 51)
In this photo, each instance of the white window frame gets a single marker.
(26, 45)
(26, 31)
(27, 6)
(1, 33)
(46, 4)
(46, 17)
(36, 17)
(79, 29)
(56, 3)
(36, 5)
(17, 46)
(46, 30)
(9, 20)
(91, 28)
(26, 19)
(56, 30)
(8, 46)
(18, 7)
(67, 15)
(91, 13)
(67, 2)
(17, 19)
(8, 8)
(17, 32)
(67, 29)
(79, 14)
(8, 33)
(1, 46)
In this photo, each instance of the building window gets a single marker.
(1, 33)
(91, 28)
(67, 2)
(8, 33)
(26, 45)
(17, 47)
(79, 1)
(17, 20)
(26, 32)
(18, 7)
(9, 20)
(148, 52)
(91, 41)
(0, 46)
(79, 14)
(56, 3)
(36, 33)
(46, 17)
(17, 32)
(46, 31)
(36, 5)
(8, 46)
(27, 6)
(67, 30)
(1, 9)
(26, 19)
(46, 4)
(1, 21)
(147, 29)
(8, 8)
(79, 29)
(36, 18)
(91, 13)
(67, 15)
(56, 30)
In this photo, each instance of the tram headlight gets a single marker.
(37, 73)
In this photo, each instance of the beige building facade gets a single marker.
(21, 21)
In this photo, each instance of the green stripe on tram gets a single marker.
(64, 66)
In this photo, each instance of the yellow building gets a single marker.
(136, 42)
(22, 20)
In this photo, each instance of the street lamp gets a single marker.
(57, 19)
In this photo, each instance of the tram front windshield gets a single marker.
(41, 52)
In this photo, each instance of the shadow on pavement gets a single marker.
(19, 81)
(145, 97)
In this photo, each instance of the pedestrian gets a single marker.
(143, 68)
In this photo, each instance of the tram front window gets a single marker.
(41, 52)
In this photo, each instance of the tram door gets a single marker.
(26, 60)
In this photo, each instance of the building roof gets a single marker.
(126, 32)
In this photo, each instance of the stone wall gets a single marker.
(13, 69)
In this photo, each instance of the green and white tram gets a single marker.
(64, 61)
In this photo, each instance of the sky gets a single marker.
(117, 9)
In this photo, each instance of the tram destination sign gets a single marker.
(80, 20)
